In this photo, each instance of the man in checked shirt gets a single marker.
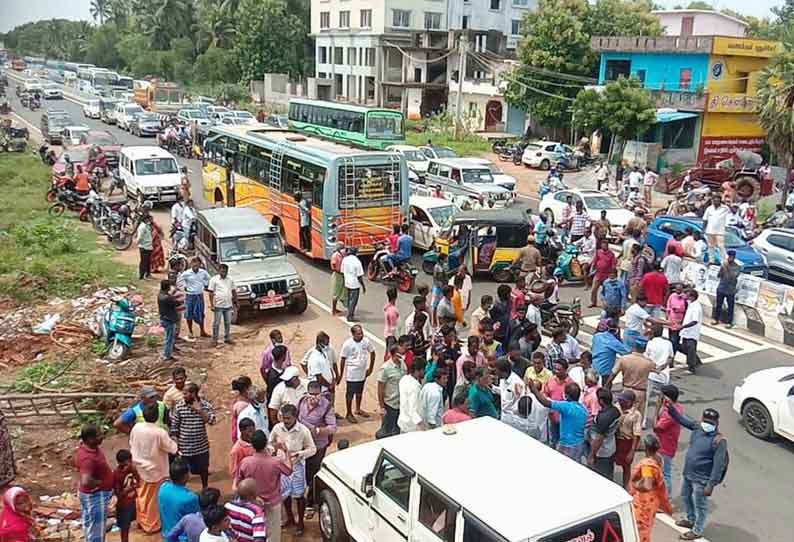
(189, 428)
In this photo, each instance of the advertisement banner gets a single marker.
(731, 103)
(710, 146)
(747, 290)
(745, 47)
(770, 297)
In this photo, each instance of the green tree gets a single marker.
(623, 18)
(120, 12)
(270, 39)
(216, 65)
(100, 10)
(166, 20)
(698, 4)
(102, 49)
(215, 24)
(624, 108)
(775, 109)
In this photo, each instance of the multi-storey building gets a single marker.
(704, 85)
(403, 53)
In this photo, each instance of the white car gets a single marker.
(73, 134)
(125, 112)
(51, 91)
(428, 217)
(499, 176)
(193, 115)
(92, 109)
(414, 157)
(245, 116)
(215, 112)
(595, 202)
(541, 154)
(765, 402)
(433, 152)
(149, 173)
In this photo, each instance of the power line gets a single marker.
(417, 60)
(524, 85)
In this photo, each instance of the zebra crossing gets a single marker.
(715, 344)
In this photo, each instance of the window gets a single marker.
(339, 55)
(779, 241)
(687, 26)
(437, 513)
(741, 82)
(370, 54)
(366, 18)
(325, 19)
(685, 79)
(480, 43)
(322, 55)
(616, 68)
(465, 23)
(418, 215)
(401, 18)
(344, 19)
(521, 3)
(432, 20)
(679, 134)
(375, 186)
(394, 481)
(496, 4)
(300, 176)
(515, 27)
(351, 56)
(641, 75)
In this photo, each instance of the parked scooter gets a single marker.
(118, 325)
(568, 267)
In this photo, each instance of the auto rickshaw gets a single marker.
(486, 241)
(12, 138)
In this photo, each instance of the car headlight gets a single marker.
(294, 283)
(243, 289)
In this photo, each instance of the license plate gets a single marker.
(271, 303)
(757, 273)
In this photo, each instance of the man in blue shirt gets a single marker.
(613, 291)
(704, 468)
(134, 414)
(573, 419)
(405, 249)
(196, 281)
(606, 347)
(176, 500)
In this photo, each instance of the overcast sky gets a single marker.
(16, 12)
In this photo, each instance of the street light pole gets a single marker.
(463, 47)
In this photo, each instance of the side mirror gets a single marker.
(368, 485)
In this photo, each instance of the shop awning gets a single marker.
(672, 116)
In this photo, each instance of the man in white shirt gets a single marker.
(176, 212)
(511, 388)
(357, 360)
(716, 219)
(602, 175)
(571, 348)
(410, 387)
(321, 364)
(288, 392)
(635, 178)
(660, 351)
(431, 400)
(223, 300)
(420, 305)
(671, 265)
(188, 218)
(690, 331)
(636, 316)
(353, 272)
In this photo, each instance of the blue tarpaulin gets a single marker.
(672, 116)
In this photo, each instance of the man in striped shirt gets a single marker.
(247, 518)
(189, 428)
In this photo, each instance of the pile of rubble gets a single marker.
(28, 333)
(58, 517)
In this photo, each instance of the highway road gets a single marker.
(757, 495)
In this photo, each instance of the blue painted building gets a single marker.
(657, 70)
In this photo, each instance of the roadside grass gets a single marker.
(468, 145)
(43, 256)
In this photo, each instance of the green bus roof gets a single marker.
(322, 150)
(344, 107)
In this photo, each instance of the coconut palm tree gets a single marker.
(100, 10)
(775, 109)
(215, 25)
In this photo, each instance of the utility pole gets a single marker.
(463, 48)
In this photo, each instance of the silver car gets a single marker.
(777, 247)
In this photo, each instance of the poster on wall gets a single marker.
(696, 274)
(788, 301)
(712, 280)
(770, 297)
(711, 146)
(747, 290)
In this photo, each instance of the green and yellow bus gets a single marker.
(348, 124)
(355, 195)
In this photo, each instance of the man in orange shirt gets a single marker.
(242, 448)
(82, 181)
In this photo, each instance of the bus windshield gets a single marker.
(251, 248)
(384, 126)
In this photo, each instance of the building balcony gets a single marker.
(686, 101)
(645, 44)
(731, 103)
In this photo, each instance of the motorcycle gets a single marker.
(508, 152)
(116, 182)
(34, 104)
(553, 316)
(402, 275)
(118, 325)
(47, 155)
(74, 201)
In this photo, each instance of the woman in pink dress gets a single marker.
(676, 309)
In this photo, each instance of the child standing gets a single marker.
(125, 485)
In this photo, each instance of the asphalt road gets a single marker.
(757, 495)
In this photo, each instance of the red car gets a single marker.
(78, 155)
(107, 142)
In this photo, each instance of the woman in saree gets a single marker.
(157, 261)
(648, 489)
(16, 519)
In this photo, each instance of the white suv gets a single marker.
(149, 174)
(416, 486)
(125, 112)
(541, 154)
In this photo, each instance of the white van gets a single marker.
(125, 113)
(444, 486)
(92, 110)
(149, 173)
(429, 216)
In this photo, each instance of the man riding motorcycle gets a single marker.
(405, 247)
(82, 181)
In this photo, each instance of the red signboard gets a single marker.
(711, 146)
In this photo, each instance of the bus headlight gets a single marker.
(243, 289)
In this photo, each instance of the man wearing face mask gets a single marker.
(704, 468)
